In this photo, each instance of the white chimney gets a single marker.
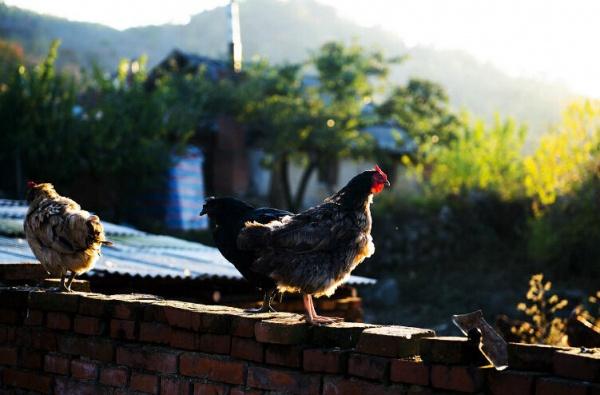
(235, 38)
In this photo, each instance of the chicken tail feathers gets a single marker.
(253, 236)
(96, 230)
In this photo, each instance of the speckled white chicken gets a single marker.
(62, 236)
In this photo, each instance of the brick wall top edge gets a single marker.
(277, 328)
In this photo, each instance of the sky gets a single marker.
(552, 40)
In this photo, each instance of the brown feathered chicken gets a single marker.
(313, 252)
(62, 236)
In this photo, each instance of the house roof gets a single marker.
(135, 253)
(184, 62)
(392, 138)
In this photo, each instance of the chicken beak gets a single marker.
(387, 183)
(203, 212)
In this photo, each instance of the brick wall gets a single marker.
(84, 343)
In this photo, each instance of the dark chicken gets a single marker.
(228, 216)
(62, 236)
(313, 252)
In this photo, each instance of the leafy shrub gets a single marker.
(541, 325)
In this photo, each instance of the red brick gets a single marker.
(86, 325)
(213, 368)
(283, 380)
(54, 301)
(93, 348)
(409, 372)
(368, 366)
(56, 363)
(32, 359)
(531, 357)
(84, 370)
(243, 325)
(450, 350)
(215, 344)
(186, 340)
(125, 310)
(392, 341)
(154, 312)
(58, 320)
(148, 358)
(339, 334)
(331, 360)
(458, 378)
(8, 334)
(37, 338)
(8, 316)
(244, 391)
(249, 349)
(557, 386)
(143, 382)
(115, 377)
(283, 355)
(155, 332)
(511, 382)
(215, 321)
(94, 305)
(8, 355)
(122, 329)
(335, 385)
(210, 389)
(181, 317)
(174, 386)
(576, 364)
(62, 385)
(281, 331)
(34, 318)
(33, 381)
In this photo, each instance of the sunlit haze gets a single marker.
(544, 39)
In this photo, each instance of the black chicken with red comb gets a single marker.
(313, 252)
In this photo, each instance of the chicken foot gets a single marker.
(311, 315)
(64, 287)
(266, 305)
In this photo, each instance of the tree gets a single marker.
(421, 108)
(311, 124)
(35, 113)
(560, 163)
(480, 157)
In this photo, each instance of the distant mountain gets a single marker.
(288, 31)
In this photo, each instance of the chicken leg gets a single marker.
(69, 281)
(311, 315)
(266, 305)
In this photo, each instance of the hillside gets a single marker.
(288, 31)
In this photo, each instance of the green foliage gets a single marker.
(479, 157)
(36, 112)
(421, 108)
(312, 124)
(92, 138)
(565, 238)
(560, 163)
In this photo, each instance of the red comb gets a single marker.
(378, 170)
(31, 184)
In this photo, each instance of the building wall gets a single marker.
(316, 191)
(69, 343)
(231, 166)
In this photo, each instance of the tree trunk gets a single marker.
(277, 189)
(299, 198)
(19, 174)
(285, 182)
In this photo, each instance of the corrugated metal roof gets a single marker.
(134, 253)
